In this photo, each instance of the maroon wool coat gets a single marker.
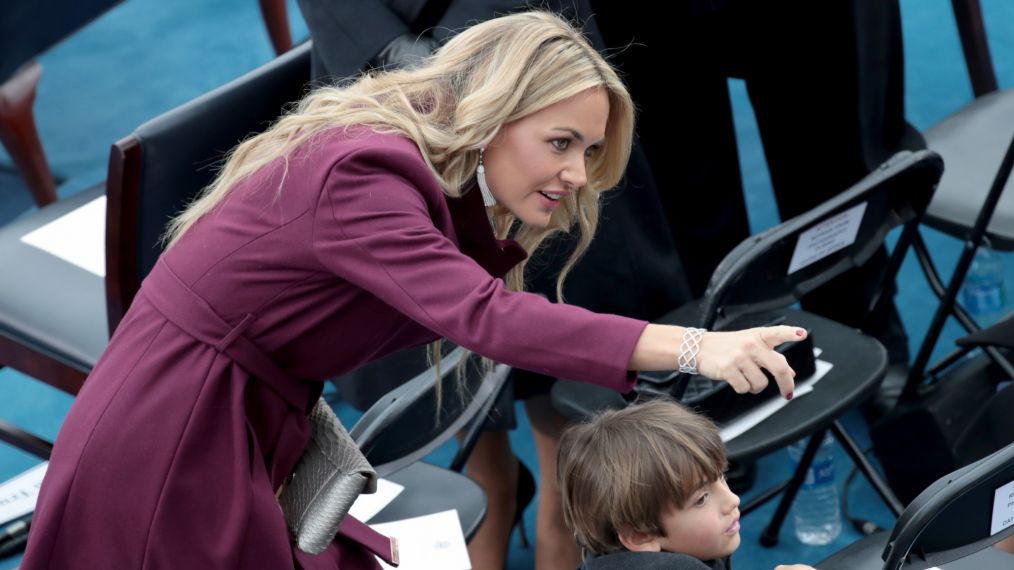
(172, 451)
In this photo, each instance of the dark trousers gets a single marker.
(828, 97)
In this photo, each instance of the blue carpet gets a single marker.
(146, 57)
(14, 195)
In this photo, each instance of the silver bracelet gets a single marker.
(689, 347)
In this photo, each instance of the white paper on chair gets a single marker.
(18, 494)
(367, 506)
(755, 416)
(430, 542)
(77, 237)
(827, 237)
(1003, 508)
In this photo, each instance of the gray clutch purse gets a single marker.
(328, 478)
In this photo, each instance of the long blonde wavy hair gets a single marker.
(451, 106)
(490, 74)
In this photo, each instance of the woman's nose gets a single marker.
(575, 173)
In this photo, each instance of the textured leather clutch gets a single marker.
(328, 478)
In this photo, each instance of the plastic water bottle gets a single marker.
(983, 294)
(818, 518)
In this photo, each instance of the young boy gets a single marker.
(643, 487)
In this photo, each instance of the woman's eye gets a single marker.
(591, 151)
(561, 144)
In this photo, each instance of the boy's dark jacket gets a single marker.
(652, 561)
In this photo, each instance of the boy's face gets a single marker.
(706, 527)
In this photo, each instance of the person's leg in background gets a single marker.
(686, 130)
(494, 467)
(828, 97)
(555, 548)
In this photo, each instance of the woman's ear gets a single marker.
(636, 541)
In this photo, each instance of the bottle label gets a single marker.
(819, 474)
(983, 297)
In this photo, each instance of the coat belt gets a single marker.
(191, 313)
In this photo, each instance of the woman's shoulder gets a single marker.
(362, 153)
(342, 142)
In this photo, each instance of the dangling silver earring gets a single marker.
(480, 174)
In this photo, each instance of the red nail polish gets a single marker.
(788, 396)
(799, 332)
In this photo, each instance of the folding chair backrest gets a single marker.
(963, 512)
(160, 168)
(779, 266)
(405, 424)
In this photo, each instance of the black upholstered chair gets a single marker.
(28, 29)
(761, 277)
(951, 524)
(55, 317)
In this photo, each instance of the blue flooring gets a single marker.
(145, 57)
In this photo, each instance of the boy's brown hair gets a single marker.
(623, 469)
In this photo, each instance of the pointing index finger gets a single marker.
(774, 336)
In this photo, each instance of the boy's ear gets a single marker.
(636, 541)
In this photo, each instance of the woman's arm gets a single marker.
(736, 357)
(374, 229)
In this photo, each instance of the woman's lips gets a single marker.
(549, 203)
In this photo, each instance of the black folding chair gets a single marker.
(407, 424)
(765, 274)
(55, 317)
(951, 524)
(974, 202)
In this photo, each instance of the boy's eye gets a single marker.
(561, 144)
(701, 500)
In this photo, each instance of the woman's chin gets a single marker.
(535, 219)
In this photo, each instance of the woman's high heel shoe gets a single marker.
(524, 496)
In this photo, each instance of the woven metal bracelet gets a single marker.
(690, 346)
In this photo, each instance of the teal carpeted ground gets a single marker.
(146, 57)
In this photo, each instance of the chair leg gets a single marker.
(762, 499)
(769, 537)
(19, 135)
(864, 465)
(276, 18)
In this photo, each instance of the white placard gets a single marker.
(430, 542)
(76, 237)
(367, 506)
(1003, 508)
(18, 495)
(755, 416)
(827, 237)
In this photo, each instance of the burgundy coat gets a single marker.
(172, 451)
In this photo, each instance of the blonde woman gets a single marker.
(328, 241)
